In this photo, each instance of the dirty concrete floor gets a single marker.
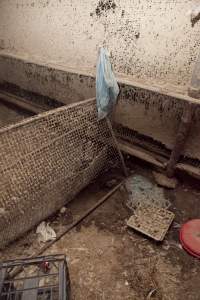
(108, 261)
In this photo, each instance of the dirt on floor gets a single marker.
(109, 261)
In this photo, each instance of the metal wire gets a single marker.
(46, 160)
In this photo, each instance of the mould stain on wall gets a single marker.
(105, 6)
(150, 41)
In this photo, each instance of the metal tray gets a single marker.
(151, 221)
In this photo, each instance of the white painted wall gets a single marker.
(149, 40)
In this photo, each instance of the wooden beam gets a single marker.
(140, 153)
(191, 170)
(182, 135)
(148, 157)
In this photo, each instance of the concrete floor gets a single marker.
(108, 261)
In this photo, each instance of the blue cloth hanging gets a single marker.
(107, 89)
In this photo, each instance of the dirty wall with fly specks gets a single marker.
(148, 40)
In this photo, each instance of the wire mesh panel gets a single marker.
(41, 278)
(46, 160)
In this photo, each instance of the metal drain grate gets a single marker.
(151, 221)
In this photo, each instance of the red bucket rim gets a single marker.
(188, 242)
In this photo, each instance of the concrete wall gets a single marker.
(149, 40)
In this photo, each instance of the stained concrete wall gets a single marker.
(149, 40)
(150, 112)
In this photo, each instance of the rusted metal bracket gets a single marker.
(182, 135)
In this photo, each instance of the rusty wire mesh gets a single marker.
(46, 160)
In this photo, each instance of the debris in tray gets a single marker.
(151, 221)
(45, 232)
(164, 181)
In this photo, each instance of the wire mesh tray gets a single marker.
(151, 221)
(42, 278)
